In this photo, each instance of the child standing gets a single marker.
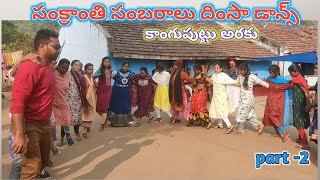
(89, 92)
(246, 111)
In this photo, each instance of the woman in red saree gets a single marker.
(199, 115)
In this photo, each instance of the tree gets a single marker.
(18, 35)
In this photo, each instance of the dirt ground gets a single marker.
(164, 151)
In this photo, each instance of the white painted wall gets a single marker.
(83, 41)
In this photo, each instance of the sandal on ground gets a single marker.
(230, 130)
(61, 143)
(137, 124)
(70, 141)
(159, 120)
(218, 126)
(102, 126)
(304, 147)
(150, 119)
(209, 125)
(78, 137)
(85, 135)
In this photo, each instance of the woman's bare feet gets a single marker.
(260, 129)
(137, 123)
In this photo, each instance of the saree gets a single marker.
(199, 115)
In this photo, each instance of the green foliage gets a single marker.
(310, 23)
(19, 35)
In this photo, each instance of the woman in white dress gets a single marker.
(222, 104)
(246, 110)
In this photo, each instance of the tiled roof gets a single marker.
(297, 40)
(128, 42)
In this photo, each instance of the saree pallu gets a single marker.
(199, 115)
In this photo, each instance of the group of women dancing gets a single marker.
(79, 95)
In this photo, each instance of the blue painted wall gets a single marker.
(135, 64)
(260, 67)
(190, 64)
